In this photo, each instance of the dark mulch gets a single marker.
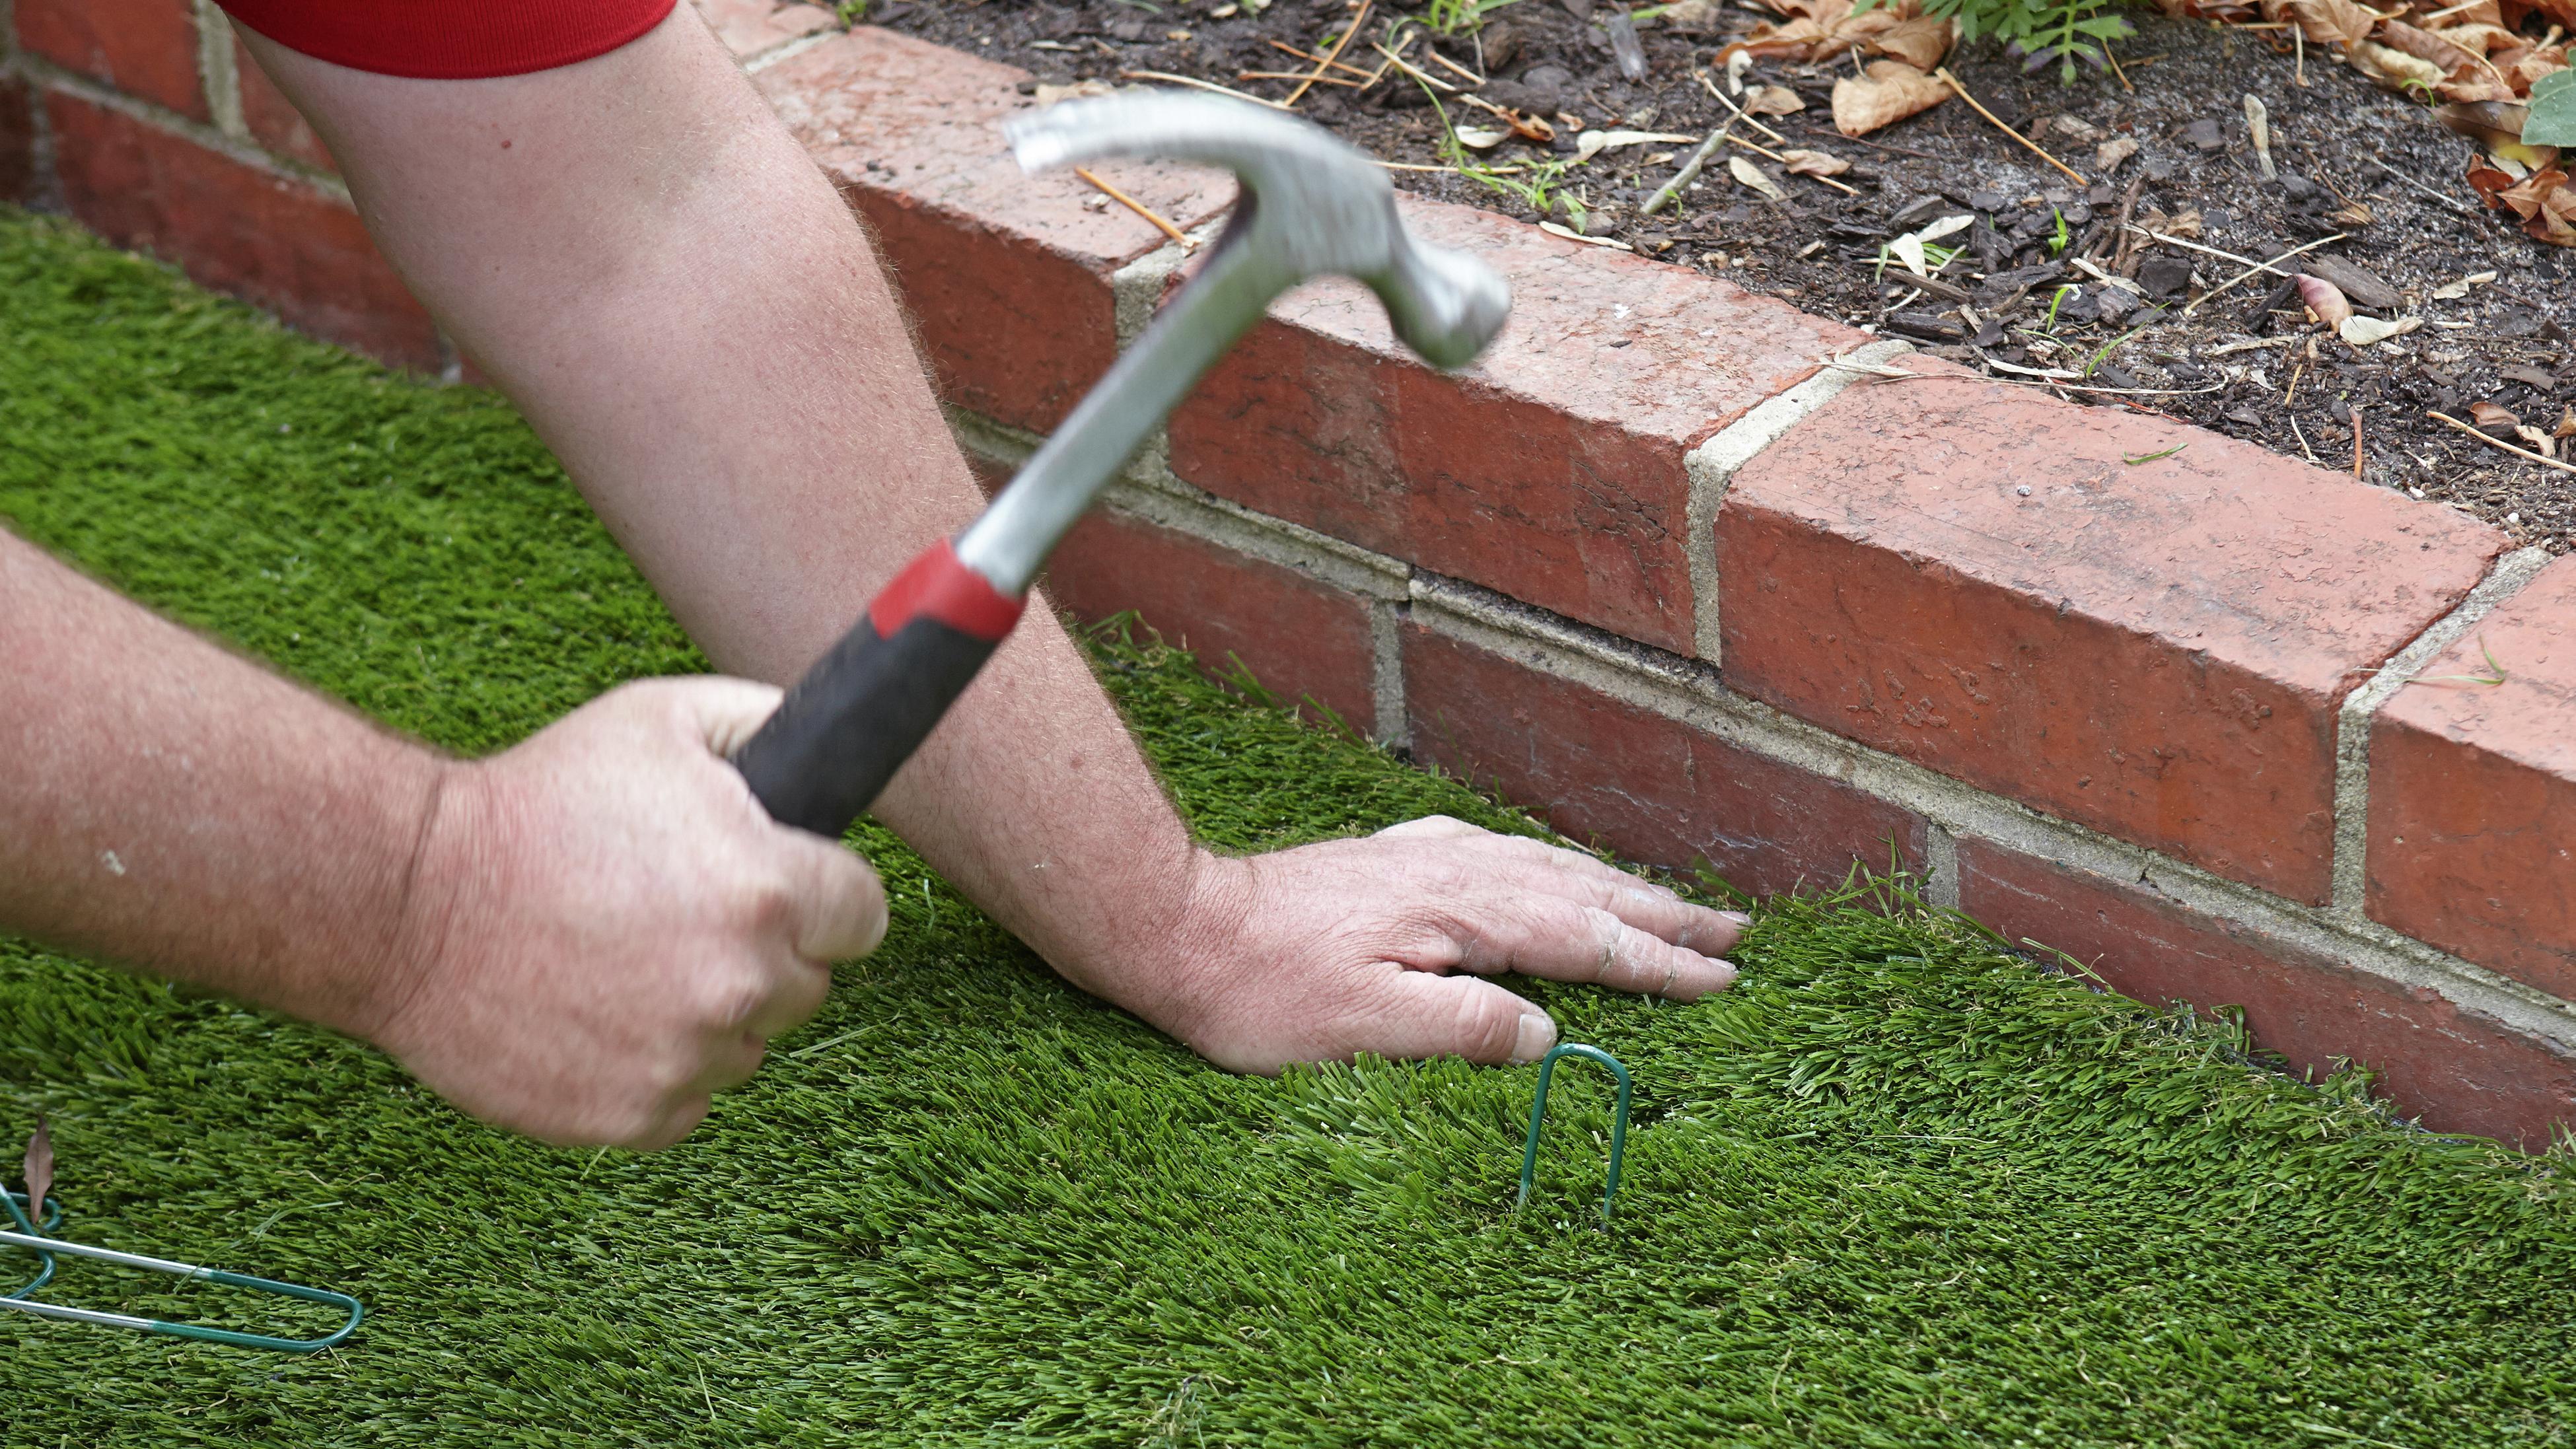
(2338, 141)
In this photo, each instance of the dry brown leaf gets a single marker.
(1816, 29)
(1751, 175)
(2326, 22)
(40, 1170)
(2427, 46)
(2556, 223)
(1049, 95)
(2359, 331)
(2566, 423)
(2394, 67)
(2521, 70)
(1888, 93)
(2540, 441)
(2525, 196)
(1774, 101)
(2326, 301)
(2493, 418)
(1921, 42)
(1803, 162)
(2482, 39)
(2108, 156)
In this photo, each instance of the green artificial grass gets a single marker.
(1898, 1187)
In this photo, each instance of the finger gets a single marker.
(731, 1061)
(1431, 827)
(722, 712)
(837, 906)
(796, 993)
(1537, 866)
(1563, 940)
(668, 1127)
(1422, 1015)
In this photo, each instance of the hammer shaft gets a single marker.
(822, 759)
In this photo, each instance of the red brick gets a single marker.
(17, 140)
(145, 48)
(755, 27)
(1007, 274)
(273, 120)
(1967, 574)
(2460, 1070)
(1297, 634)
(1653, 789)
(1552, 470)
(237, 229)
(2473, 794)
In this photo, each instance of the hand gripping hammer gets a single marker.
(1310, 205)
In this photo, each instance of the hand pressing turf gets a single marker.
(1334, 949)
(606, 927)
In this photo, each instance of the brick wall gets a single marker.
(1670, 564)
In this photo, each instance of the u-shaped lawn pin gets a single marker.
(1538, 1120)
(42, 1220)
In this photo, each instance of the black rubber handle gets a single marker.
(860, 712)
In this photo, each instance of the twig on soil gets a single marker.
(2291, 394)
(1783, 160)
(1340, 43)
(1689, 173)
(1167, 78)
(2257, 268)
(2356, 443)
(1138, 207)
(1308, 55)
(2115, 70)
(1741, 114)
(2454, 203)
(2303, 440)
(1942, 72)
(1299, 75)
(1455, 68)
(2542, 459)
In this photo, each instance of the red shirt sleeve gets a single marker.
(450, 39)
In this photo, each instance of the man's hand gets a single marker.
(1330, 950)
(605, 927)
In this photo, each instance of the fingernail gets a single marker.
(1738, 917)
(1537, 1034)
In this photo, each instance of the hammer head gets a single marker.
(1311, 205)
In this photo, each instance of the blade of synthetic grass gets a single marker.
(1898, 1187)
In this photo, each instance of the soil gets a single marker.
(2247, 362)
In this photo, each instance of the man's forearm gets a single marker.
(679, 301)
(177, 807)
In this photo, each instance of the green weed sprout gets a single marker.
(1460, 17)
(2069, 30)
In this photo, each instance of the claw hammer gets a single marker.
(1309, 205)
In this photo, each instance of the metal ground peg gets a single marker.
(50, 1213)
(1538, 1120)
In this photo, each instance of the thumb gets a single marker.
(1457, 1016)
(725, 712)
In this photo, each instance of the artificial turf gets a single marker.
(1898, 1187)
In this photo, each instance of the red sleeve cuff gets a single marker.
(450, 39)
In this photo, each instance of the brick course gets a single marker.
(2473, 794)
(2462, 1071)
(1008, 275)
(1297, 634)
(233, 227)
(1969, 575)
(144, 48)
(1552, 470)
(1653, 789)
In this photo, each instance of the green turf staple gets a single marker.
(1538, 1120)
(34, 1240)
